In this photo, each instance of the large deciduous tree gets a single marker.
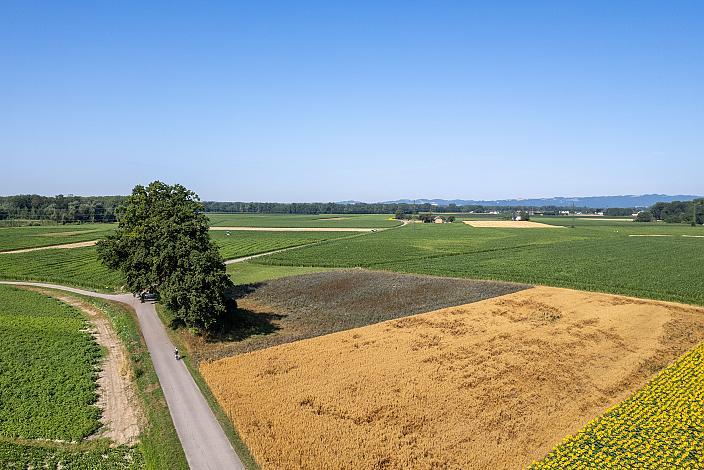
(162, 246)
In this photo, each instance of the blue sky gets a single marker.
(319, 101)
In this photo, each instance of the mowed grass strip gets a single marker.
(493, 384)
(48, 366)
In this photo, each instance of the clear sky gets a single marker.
(326, 101)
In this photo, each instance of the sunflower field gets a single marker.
(660, 426)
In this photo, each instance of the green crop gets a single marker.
(236, 244)
(603, 258)
(47, 368)
(74, 267)
(23, 456)
(296, 220)
(14, 238)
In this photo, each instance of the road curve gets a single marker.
(203, 440)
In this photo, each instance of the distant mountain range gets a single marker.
(596, 202)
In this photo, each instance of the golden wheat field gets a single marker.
(492, 384)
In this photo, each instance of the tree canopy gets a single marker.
(161, 245)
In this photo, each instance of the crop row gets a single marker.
(13, 238)
(48, 366)
(243, 243)
(660, 426)
(76, 266)
(296, 220)
(665, 268)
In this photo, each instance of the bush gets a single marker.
(644, 216)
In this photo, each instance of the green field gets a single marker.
(242, 243)
(13, 238)
(80, 266)
(47, 378)
(74, 267)
(295, 220)
(46, 355)
(596, 257)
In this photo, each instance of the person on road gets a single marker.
(176, 354)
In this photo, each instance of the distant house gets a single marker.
(438, 220)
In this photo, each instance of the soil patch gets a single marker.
(298, 307)
(121, 416)
(52, 247)
(492, 384)
(509, 224)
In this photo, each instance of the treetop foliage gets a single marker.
(162, 246)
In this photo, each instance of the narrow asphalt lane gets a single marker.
(205, 444)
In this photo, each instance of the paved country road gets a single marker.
(202, 438)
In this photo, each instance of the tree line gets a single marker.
(73, 209)
(60, 209)
(689, 212)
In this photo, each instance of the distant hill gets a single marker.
(602, 202)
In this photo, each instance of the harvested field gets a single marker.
(295, 229)
(299, 307)
(493, 384)
(52, 247)
(508, 224)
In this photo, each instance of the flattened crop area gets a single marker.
(492, 384)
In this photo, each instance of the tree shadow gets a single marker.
(242, 290)
(243, 323)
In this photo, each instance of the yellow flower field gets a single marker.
(660, 426)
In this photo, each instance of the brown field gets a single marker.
(299, 307)
(493, 384)
(509, 224)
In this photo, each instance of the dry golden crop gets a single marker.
(660, 426)
(493, 384)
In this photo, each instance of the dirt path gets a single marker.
(121, 416)
(205, 444)
(52, 247)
